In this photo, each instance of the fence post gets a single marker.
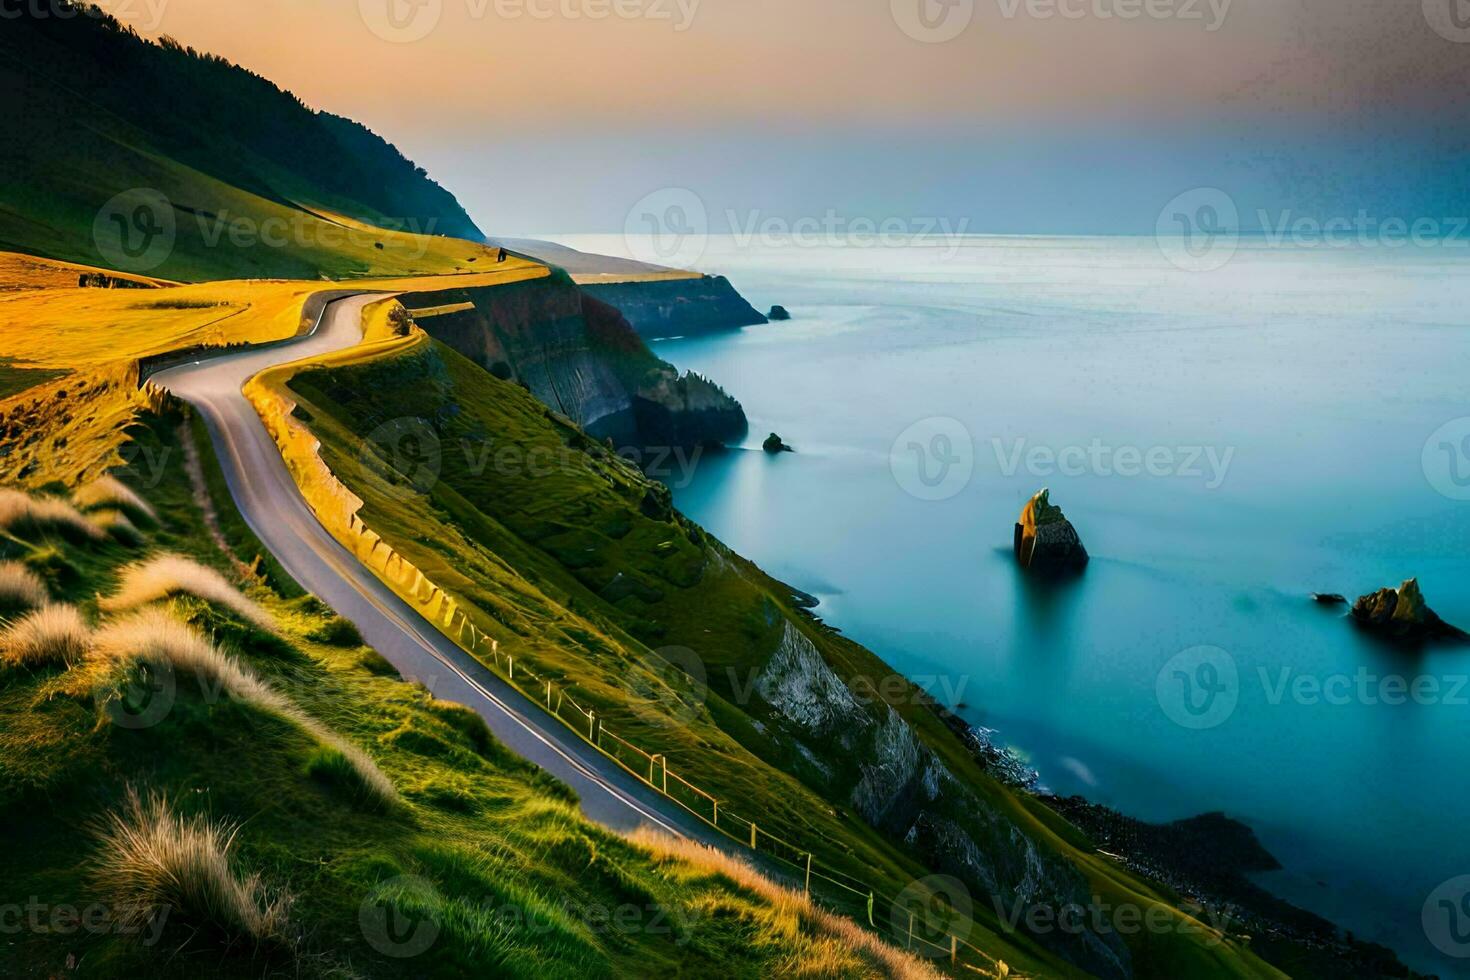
(808, 887)
(591, 721)
(870, 911)
(910, 943)
(512, 661)
(954, 949)
(665, 760)
(752, 835)
(548, 695)
(716, 820)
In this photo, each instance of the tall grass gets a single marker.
(819, 943)
(154, 862)
(153, 637)
(20, 513)
(53, 635)
(108, 491)
(170, 575)
(117, 524)
(20, 588)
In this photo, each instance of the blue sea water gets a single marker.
(1226, 442)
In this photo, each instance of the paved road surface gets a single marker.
(274, 508)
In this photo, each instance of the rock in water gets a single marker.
(778, 313)
(1403, 614)
(1329, 598)
(1045, 540)
(774, 445)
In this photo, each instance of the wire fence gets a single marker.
(905, 922)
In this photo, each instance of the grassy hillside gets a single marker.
(580, 566)
(196, 780)
(235, 178)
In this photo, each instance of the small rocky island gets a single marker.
(774, 445)
(1402, 614)
(1046, 542)
(778, 313)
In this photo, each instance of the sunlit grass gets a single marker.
(815, 943)
(52, 636)
(157, 639)
(170, 575)
(107, 492)
(21, 589)
(154, 862)
(21, 513)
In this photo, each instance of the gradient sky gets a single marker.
(543, 122)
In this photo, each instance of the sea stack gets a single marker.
(1403, 614)
(778, 313)
(1046, 541)
(775, 445)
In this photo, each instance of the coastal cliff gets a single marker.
(582, 358)
(663, 308)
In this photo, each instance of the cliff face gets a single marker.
(582, 358)
(902, 787)
(666, 308)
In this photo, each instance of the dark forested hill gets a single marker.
(94, 110)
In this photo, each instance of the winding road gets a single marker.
(274, 508)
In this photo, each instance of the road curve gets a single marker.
(273, 506)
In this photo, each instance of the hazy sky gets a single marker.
(1012, 115)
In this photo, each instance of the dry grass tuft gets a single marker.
(20, 512)
(21, 588)
(108, 491)
(829, 943)
(169, 575)
(154, 862)
(117, 524)
(153, 637)
(54, 635)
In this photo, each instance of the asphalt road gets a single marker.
(278, 514)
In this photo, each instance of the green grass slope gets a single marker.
(95, 111)
(583, 569)
(479, 864)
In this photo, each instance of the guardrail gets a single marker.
(337, 507)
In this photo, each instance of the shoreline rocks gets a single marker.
(775, 446)
(778, 313)
(1403, 614)
(1045, 541)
